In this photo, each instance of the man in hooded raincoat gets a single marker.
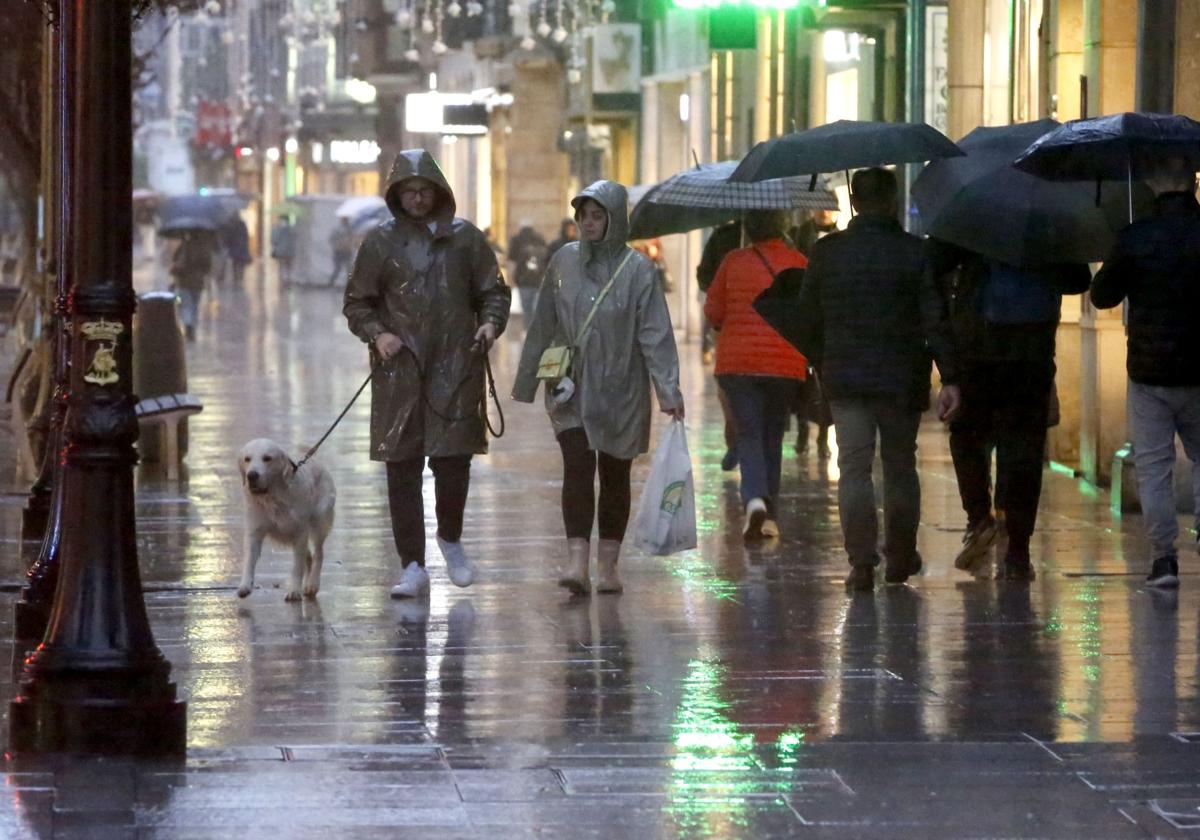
(426, 294)
(631, 344)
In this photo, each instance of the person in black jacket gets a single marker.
(722, 241)
(873, 319)
(1006, 320)
(1155, 265)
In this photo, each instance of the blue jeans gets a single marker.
(858, 421)
(1157, 413)
(529, 296)
(760, 406)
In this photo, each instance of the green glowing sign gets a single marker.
(745, 4)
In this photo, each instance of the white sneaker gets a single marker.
(414, 582)
(756, 515)
(461, 572)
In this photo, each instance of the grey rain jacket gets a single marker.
(433, 290)
(630, 343)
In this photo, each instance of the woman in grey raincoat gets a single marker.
(426, 294)
(605, 423)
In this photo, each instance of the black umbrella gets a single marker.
(181, 213)
(705, 197)
(983, 204)
(844, 145)
(1111, 147)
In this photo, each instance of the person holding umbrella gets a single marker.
(190, 267)
(759, 372)
(1155, 265)
(1006, 321)
(871, 318)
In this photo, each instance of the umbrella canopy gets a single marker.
(365, 222)
(842, 145)
(705, 197)
(1111, 147)
(981, 203)
(181, 213)
(360, 205)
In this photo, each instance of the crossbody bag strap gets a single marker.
(763, 257)
(600, 299)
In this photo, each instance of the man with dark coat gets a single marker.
(872, 320)
(527, 250)
(1005, 320)
(568, 231)
(235, 238)
(1155, 265)
(426, 294)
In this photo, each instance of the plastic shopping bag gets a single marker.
(666, 517)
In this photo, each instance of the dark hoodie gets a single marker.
(432, 289)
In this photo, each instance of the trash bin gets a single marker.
(159, 363)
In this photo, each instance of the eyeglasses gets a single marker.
(424, 192)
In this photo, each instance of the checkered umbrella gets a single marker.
(705, 197)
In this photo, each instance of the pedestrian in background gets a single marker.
(723, 240)
(426, 294)
(527, 250)
(341, 245)
(759, 371)
(604, 422)
(872, 317)
(235, 238)
(283, 248)
(191, 265)
(568, 232)
(1005, 321)
(1155, 265)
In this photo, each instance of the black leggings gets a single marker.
(579, 491)
(451, 480)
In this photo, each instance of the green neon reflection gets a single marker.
(715, 768)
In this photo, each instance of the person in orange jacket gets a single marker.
(760, 372)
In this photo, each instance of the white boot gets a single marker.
(606, 567)
(575, 572)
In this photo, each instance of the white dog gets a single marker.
(292, 507)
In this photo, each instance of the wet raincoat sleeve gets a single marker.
(492, 298)
(540, 334)
(363, 301)
(656, 337)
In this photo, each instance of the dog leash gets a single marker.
(313, 451)
(491, 381)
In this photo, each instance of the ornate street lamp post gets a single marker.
(98, 683)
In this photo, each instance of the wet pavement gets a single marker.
(728, 693)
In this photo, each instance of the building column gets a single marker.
(1187, 57)
(968, 28)
(1110, 54)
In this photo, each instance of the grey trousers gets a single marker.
(1157, 414)
(858, 422)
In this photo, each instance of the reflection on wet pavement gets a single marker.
(730, 692)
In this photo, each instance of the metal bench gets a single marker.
(167, 411)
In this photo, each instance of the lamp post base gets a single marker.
(106, 714)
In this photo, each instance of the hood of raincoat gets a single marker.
(612, 197)
(418, 163)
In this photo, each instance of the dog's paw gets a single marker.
(310, 591)
(292, 596)
(244, 590)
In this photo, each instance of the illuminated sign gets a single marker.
(746, 4)
(353, 151)
(445, 113)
